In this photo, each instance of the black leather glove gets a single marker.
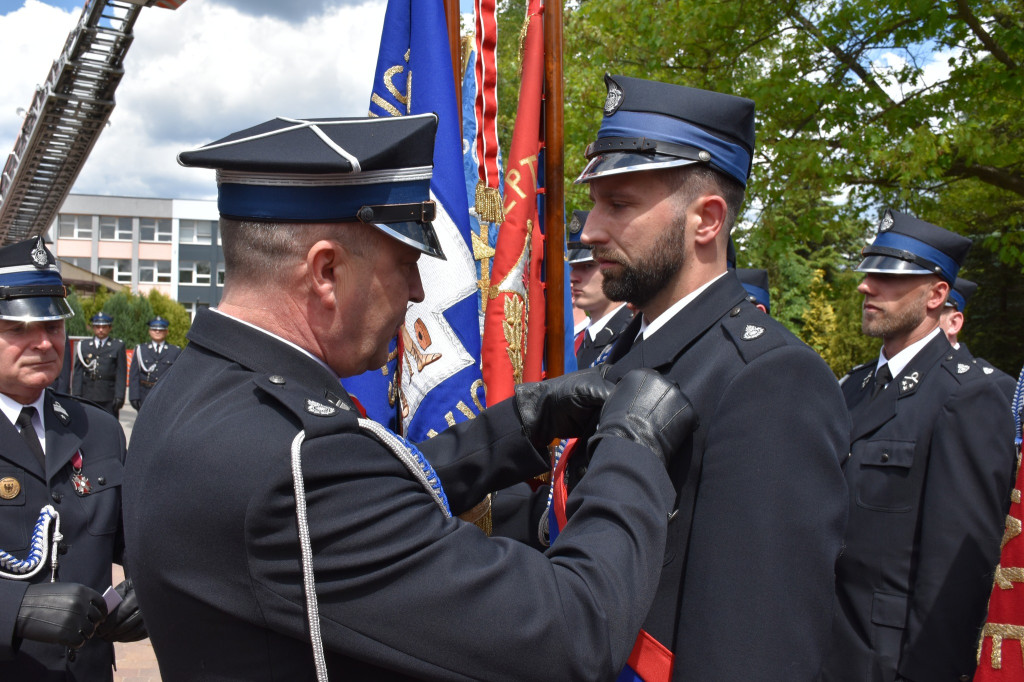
(649, 409)
(136, 404)
(124, 624)
(60, 613)
(118, 404)
(564, 407)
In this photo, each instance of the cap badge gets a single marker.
(752, 332)
(319, 409)
(886, 222)
(909, 382)
(9, 488)
(39, 254)
(614, 99)
(574, 225)
(961, 368)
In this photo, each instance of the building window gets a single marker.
(75, 226)
(220, 274)
(112, 227)
(194, 272)
(195, 231)
(155, 229)
(117, 269)
(154, 271)
(193, 308)
(83, 262)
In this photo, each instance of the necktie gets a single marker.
(882, 377)
(578, 341)
(28, 434)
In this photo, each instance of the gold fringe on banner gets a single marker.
(480, 515)
(489, 207)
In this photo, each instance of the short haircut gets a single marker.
(261, 251)
(696, 179)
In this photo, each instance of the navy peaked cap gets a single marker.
(577, 251)
(100, 318)
(906, 245)
(649, 125)
(961, 293)
(374, 170)
(755, 281)
(31, 288)
(159, 323)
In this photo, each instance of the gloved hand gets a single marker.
(649, 409)
(136, 404)
(60, 613)
(124, 624)
(118, 404)
(564, 407)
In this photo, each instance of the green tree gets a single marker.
(76, 324)
(131, 314)
(174, 313)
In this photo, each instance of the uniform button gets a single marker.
(964, 678)
(734, 312)
(277, 379)
(102, 480)
(56, 496)
(849, 455)
(582, 471)
(885, 456)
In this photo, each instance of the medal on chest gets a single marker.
(80, 481)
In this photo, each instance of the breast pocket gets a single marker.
(102, 504)
(885, 475)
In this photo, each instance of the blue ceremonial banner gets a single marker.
(432, 379)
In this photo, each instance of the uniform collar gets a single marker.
(12, 408)
(899, 361)
(596, 327)
(648, 328)
(281, 339)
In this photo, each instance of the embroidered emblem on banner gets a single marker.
(319, 409)
(961, 368)
(752, 332)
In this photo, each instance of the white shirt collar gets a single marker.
(898, 362)
(596, 327)
(12, 408)
(580, 326)
(648, 328)
(281, 339)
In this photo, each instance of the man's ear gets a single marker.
(955, 322)
(712, 211)
(323, 261)
(937, 295)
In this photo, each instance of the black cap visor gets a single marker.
(35, 309)
(890, 265)
(616, 163)
(420, 236)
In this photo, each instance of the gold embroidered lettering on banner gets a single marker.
(512, 325)
(483, 252)
(1006, 577)
(405, 99)
(998, 632)
(1013, 528)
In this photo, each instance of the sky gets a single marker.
(195, 74)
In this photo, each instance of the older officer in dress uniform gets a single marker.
(607, 318)
(952, 321)
(60, 476)
(759, 511)
(755, 281)
(930, 471)
(291, 518)
(150, 362)
(101, 367)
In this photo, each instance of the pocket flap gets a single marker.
(885, 453)
(889, 610)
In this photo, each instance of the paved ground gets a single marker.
(135, 660)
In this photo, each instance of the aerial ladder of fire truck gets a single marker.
(67, 115)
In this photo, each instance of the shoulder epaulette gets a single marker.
(319, 414)
(753, 332)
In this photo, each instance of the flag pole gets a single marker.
(452, 16)
(554, 190)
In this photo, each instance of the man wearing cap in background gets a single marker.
(759, 510)
(930, 471)
(952, 321)
(755, 281)
(607, 318)
(60, 493)
(294, 520)
(101, 367)
(150, 362)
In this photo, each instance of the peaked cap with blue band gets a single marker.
(906, 245)
(101, 319)
(159, 323)
(31, 288)
(755, 281)
(649, 125)
(961, 293)
(576, 250)
(372, 170)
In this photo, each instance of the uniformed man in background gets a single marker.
(292, 519)
(930, 471)
(755, 281)
(952, 322)
(607, 319)
(747, 583)
(101, 367)
(150, 362)
(60, 494)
